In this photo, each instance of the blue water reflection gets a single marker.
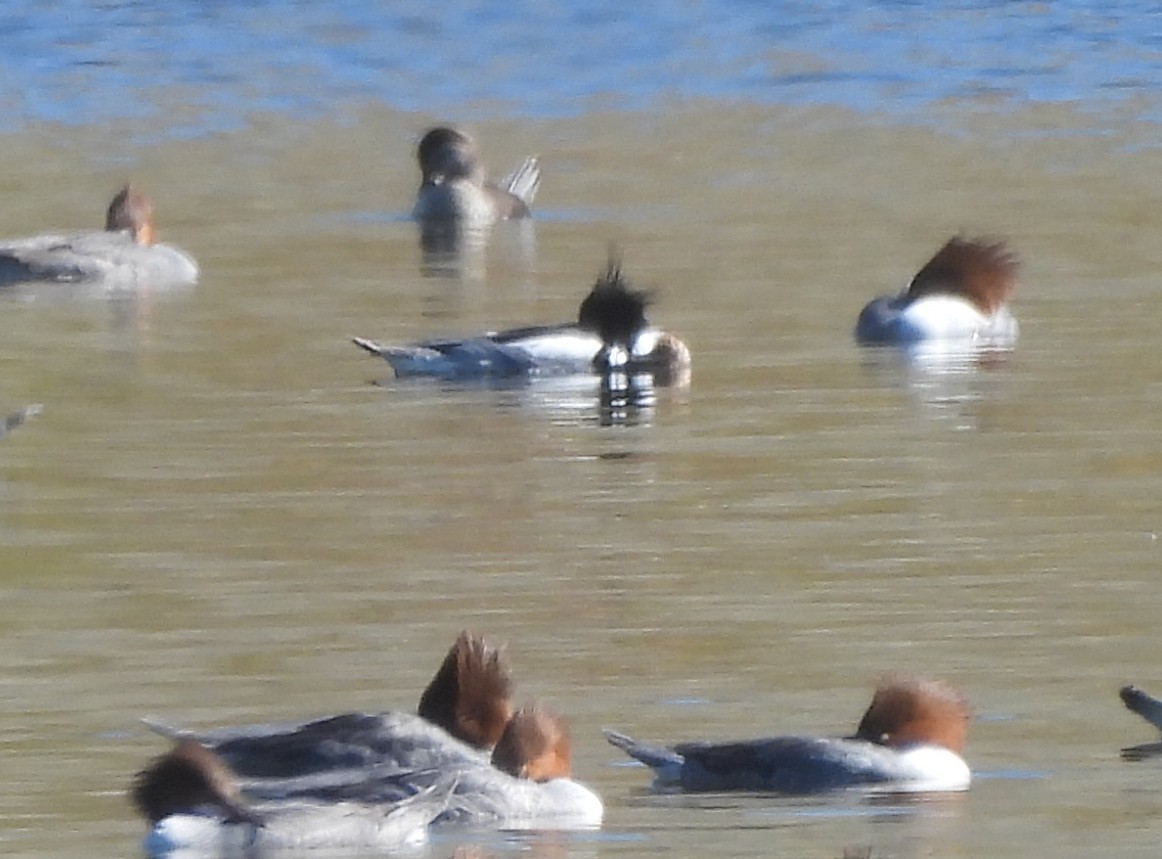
(202, 67)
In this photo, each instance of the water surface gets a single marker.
(226, 512)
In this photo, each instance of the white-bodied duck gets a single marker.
(611, 334)
(959, 298)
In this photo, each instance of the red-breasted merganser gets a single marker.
(910, 739)
(960, 297)
(123, 255)
(611, 334)
(194, 804)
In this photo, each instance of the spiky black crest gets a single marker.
(613, 308)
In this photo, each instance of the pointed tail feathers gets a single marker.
(368, 346)
(170, 732)
(665, 762)
(524, 181)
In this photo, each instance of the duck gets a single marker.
(454, 187)
(526, 782)
(193, 803)
(960, 297)
(529, 780)
(462, 714)
(611, 334)
(510, 766)
(1150, 709)
(910, 739)
(124, 254)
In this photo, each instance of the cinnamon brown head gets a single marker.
(187, 777)
(984, 271)
(471, 695)
(535, 745)
(908, 710)
(132, 212)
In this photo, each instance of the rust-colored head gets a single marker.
(982, 270)
(131, 212)
(535, 745)
(188, 776)
(909, 710)
(471, 695)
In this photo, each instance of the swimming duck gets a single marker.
(463, 712)
(385, 758)
(611, 334)
(910, 739)
(193, 802)
(959, 297)
(526, 782)
(124, 254)
(1150, 709)
(453, 186)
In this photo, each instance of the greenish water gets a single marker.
(220, 518)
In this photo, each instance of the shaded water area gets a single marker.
(227, 513)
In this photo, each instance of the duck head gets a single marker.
(446, 154)
(535, 745)
(616, 312)
(983, 271)
(471, 695)
(910, 710)
(189, 777)
(132, 212)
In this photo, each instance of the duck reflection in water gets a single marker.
(457, 207)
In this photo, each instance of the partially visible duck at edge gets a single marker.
(462, 713)
(193, 803)
(959, 297)
(611, 334)
(1150, 709)
(910, 739)
(124, 254)
(453, 184)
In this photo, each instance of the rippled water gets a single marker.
(203, 67)
(226, 512)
